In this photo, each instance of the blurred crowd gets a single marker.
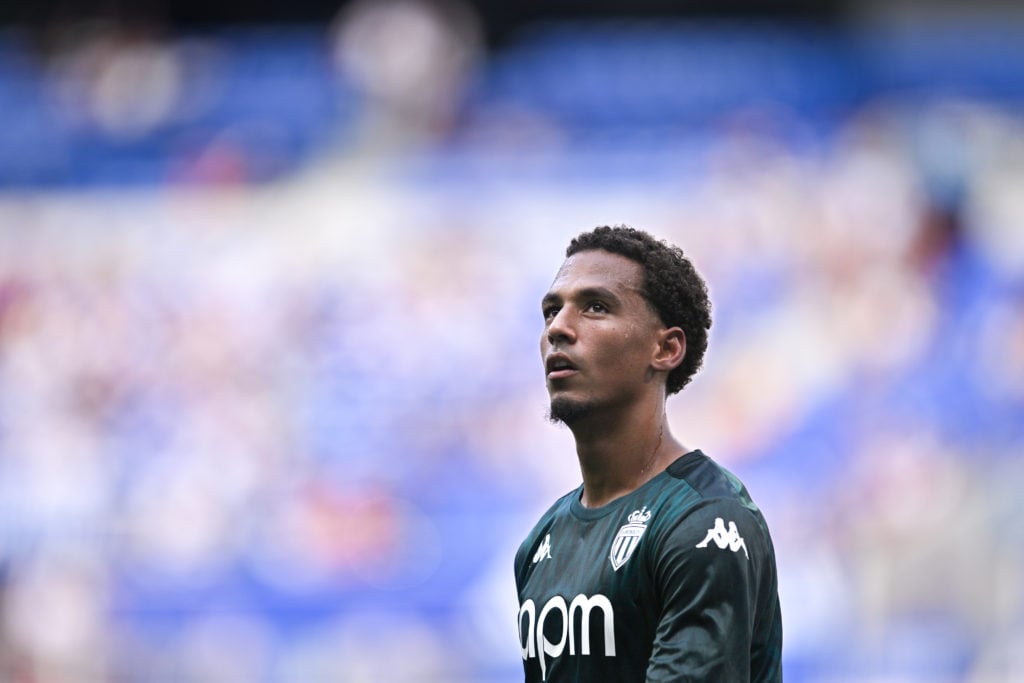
(287, 425)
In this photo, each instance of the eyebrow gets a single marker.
(585, 293)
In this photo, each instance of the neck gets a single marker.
(618, 456)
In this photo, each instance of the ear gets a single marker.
(670, 351)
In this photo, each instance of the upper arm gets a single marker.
(706, 570)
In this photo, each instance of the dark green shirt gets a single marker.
(675, 581)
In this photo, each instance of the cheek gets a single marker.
(623, 354)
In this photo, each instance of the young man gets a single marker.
(659, 567)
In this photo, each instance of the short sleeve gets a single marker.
(706, 570)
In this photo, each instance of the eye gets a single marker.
(597, 307)
(550, 312)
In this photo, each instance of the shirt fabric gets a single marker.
(675, 581)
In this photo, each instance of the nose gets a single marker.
(560, 329)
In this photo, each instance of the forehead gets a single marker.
(598, 268)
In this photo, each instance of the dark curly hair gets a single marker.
(671, 285)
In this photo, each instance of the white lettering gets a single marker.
(530, 610)
(544, 646)
(534, 641)
(586, 604)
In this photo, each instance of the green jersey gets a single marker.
(675, 581)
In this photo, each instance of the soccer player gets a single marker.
(659, 567)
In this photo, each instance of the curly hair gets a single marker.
(671, 285)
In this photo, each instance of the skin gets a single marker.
(622, 353)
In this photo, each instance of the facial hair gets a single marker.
(567, 411)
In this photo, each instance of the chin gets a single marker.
(569, 411)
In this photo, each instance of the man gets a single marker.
(659, 567)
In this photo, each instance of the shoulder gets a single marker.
(707, 477)
(722, 523)
(543, 526)
(717, 509)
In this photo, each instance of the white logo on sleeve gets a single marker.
(730, 539)
(628, 538)
(544, 551)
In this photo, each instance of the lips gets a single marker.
(558, 366)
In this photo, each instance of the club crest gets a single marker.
(628, 538)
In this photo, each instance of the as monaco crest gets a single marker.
(628, 538)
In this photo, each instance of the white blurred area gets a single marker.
(411, 59)
(271, 407)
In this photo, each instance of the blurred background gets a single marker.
(271, 406)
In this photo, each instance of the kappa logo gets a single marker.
(628, 538)
(544, 551)
(730, 539)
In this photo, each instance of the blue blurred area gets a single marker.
(272, 97)
(258, 100)
(270, 407)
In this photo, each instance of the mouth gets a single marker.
(558, 366)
